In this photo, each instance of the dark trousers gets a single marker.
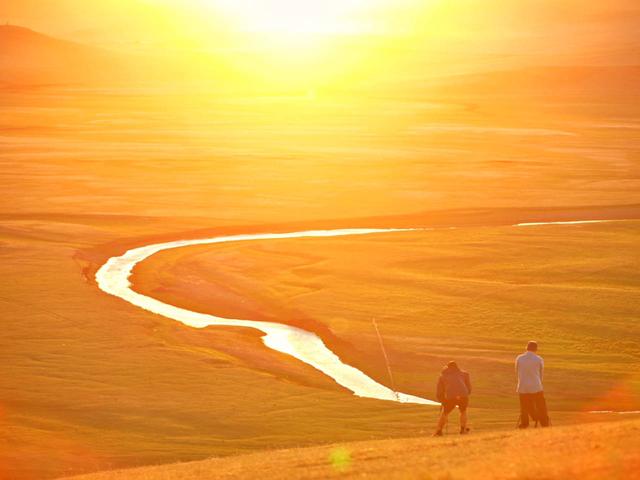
(533, 405)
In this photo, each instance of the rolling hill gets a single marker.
(592, 81)
(31, 58)
(595, 451)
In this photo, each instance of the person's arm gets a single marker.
(467, 381)
(541, 368)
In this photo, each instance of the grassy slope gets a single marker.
(592, 451)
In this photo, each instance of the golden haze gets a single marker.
(131, 122)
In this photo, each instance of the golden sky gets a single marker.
(490, 24)
(321, 42)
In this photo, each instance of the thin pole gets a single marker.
(386, 359)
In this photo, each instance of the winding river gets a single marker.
(113, 278)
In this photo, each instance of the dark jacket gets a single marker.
(452, 383)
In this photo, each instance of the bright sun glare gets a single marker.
(296, 41)
(298, 17)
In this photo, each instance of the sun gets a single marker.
(295, 44)
(298, 17)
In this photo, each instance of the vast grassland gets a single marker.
(261, 159)
(88, 382)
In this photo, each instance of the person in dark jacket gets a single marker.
(454, 388)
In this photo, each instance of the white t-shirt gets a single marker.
(529, 367)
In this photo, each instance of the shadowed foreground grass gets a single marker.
(595, 451)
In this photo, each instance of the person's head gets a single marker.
(532, 346)
(452, 365)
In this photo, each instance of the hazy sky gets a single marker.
(492, 24)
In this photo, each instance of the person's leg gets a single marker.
(462, 405)
(531, 407)
(533, 410)
(447, 407)
(542, 415)
(442, 421)
(463, 421)
(524, 410)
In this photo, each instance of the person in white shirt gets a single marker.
(529, 370)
